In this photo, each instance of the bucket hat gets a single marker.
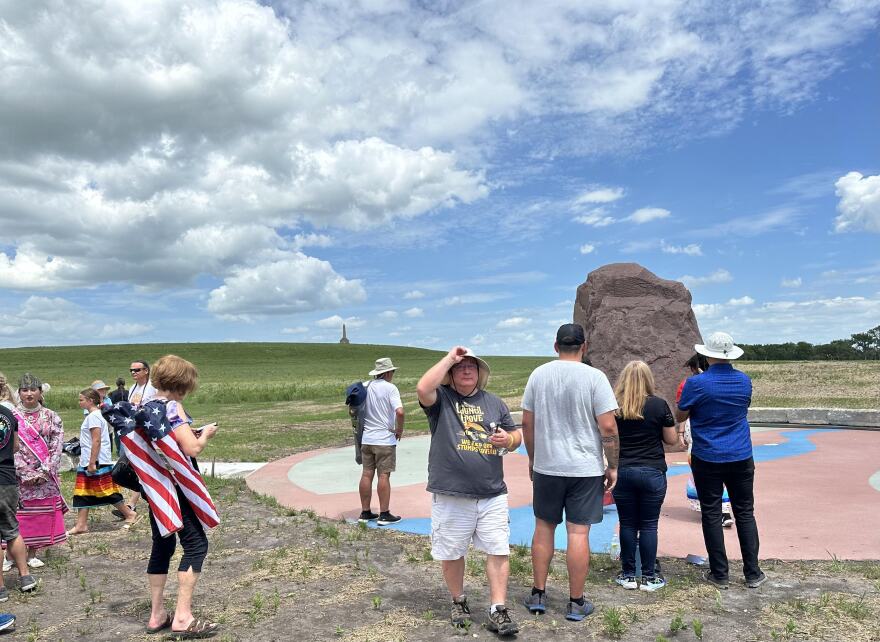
(719, 345)
(383, 365)
(482, 376)
(98, 384)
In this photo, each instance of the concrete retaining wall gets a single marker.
(817, 416)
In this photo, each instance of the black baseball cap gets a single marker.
(570, 334)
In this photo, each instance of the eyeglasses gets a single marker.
(465, 366)
(135, 370)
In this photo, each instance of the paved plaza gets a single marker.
(817, 494)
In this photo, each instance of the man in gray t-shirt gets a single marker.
(470, 430)
(568, 421)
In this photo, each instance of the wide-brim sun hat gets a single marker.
(482, 376)
(719, 346)
(383, 365)
(99, 385)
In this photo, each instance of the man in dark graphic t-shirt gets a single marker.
(470, 430)
(15, 546)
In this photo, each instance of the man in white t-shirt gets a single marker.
(141, 390)
(568, 421)
(383, 427)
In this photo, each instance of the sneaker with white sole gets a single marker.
(7, 565)
(27, 583)
(4, 593)
(626, 581)
(387, 518)
(727, 520)
(7, 621)
(367, 516)
(501, 623)
(36, 562)
(652, 584)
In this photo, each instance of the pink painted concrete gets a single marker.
(808, 506)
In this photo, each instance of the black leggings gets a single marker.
(192, 539)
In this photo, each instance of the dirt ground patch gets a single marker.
(275, 574)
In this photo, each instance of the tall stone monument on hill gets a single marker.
(630, 313)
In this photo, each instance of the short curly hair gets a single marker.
(174, 374)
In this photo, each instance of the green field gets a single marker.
(272, 399)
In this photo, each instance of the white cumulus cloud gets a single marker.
(414, 312)
(744, 300)
(414, 294)
(718, 276)
(336, 322)
(587, 248)
(859, 205)
(792, 283)
(297, 283)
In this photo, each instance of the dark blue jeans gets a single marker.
(639, 494)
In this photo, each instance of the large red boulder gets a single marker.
(630, 313)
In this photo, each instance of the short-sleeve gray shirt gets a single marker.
(566, 397)
(462, 461)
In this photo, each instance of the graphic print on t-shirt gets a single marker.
(475, 437)
(6, 429)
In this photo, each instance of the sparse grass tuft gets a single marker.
(612, 623)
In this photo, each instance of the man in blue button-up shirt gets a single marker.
(717, 403)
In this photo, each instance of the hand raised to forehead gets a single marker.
(457, 354)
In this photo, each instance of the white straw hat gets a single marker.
(719, 346)
(383, 365)
(482, 376)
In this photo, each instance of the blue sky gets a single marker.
(235, 171)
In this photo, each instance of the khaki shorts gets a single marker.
(380, 458)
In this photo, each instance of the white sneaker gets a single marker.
(36, 563)
(7, 565)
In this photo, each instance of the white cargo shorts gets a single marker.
(458, 521)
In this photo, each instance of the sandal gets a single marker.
(196, 630)
(165, 625)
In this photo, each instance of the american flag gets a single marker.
(152, 449)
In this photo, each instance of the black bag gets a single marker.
(71, 447)
(123, 474)
(356, 400)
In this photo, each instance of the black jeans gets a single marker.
(710, 480)
(192, 539)
(639, 494)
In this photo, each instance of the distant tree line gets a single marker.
(863, 345)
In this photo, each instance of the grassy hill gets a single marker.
(272, 399)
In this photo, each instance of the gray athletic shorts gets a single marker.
(8, 510)
(581, 497)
